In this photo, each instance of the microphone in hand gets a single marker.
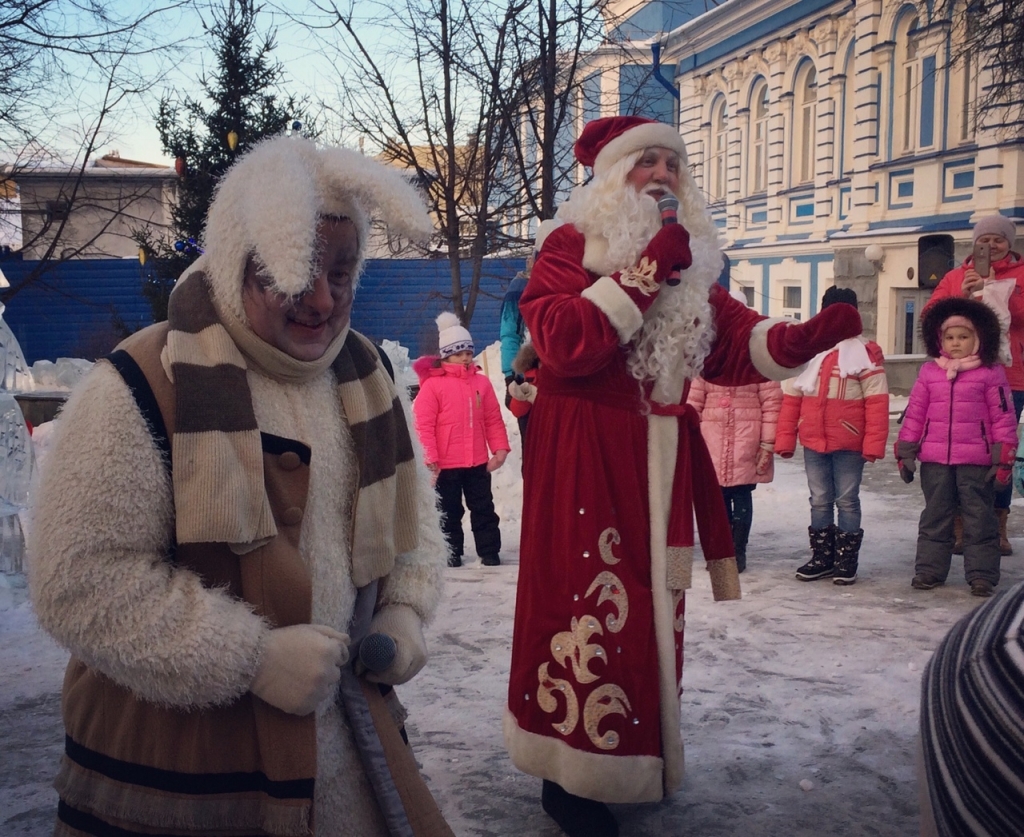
(377, 652)
(668, 206)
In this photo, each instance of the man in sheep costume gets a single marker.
(232, 502)
(616, 468)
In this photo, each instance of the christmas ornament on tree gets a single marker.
(180, 166)
(232, 140)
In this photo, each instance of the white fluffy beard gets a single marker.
(678, 328)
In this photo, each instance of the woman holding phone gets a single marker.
(994, 274)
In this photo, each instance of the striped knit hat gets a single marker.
(972, 721)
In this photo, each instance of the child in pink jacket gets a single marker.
(458, 419)
(961, 425)
(738, 425)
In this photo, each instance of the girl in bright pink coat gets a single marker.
(458, 419)
(961, 425)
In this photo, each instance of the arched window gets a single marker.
(849, 118)
(907, 80)
(914, 112)
(805, 117)
(758, 173)
(717, 159)
(967, 97)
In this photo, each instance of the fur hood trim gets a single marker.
(984, 319)
(268, 203)
(526, 359)
(422, 366)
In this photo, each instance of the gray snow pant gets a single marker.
(945, 487)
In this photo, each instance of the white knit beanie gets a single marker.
(996, 225)
(453, 337)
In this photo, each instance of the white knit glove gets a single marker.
(403, 625)
(523, 392)
(300, 667)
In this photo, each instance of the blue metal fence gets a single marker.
(71, 310)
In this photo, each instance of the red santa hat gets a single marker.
(604, 142)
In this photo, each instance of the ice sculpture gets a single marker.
(15, 449)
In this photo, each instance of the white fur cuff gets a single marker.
(762, 360)
(616, 304)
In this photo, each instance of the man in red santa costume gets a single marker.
(616, 468)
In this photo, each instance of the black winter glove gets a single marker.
(906, 459)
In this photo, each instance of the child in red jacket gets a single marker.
(458, 419)
(840, 406)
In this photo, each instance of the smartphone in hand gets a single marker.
(982, 259)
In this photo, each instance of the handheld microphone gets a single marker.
(668, 206)
(377, 652)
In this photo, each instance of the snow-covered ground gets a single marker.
(800, 701)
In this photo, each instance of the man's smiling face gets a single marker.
(304, 326)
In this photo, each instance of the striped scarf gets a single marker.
(217, 452)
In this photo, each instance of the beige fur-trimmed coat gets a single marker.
(102, 587)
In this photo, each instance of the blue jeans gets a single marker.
(834, 480)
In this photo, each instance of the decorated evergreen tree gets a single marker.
(241, 106)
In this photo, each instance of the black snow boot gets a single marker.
(740, 536)
(576, 815)
(823, 554)
(847, 552)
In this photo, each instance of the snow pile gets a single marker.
(60, 375)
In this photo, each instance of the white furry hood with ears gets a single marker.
(268, 203)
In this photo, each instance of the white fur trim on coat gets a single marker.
(621, 311)
(614, 779)
(544, 229)
(762, 360)
(662, 452)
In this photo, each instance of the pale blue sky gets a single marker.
(308, 71)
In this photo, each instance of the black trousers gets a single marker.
(739, 506)
(475, 484)
(945, 487)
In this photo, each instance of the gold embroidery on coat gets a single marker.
(573, 645)
(573, 650)
(608, 699)
(679, 572)
(604, 544)
(612, 591)
(547, 702)
(641, 276)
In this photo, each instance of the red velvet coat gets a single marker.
(597, 647)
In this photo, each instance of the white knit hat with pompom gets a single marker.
(452, 335)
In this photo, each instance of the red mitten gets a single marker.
(792, 345)
(670, 248)
(1002, 464)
